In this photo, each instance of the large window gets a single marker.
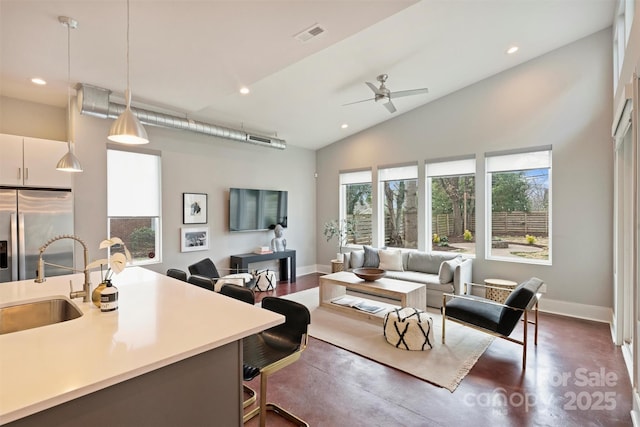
(355, 206)
(451, 188)
(398, 195)
(133, 197)
(519, 206)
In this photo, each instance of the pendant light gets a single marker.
(127, 129)
(69, 162)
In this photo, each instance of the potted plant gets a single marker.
(115, 263)
(340, 229)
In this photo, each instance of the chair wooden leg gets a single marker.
(524, 342)
(444, 315)
(535, 337)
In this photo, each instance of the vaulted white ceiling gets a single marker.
(191, 57)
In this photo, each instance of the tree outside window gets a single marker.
(451, 188)
(399, 189)
(355, 206)
(453, 211)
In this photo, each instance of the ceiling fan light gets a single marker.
(127, 129)
(69, 163)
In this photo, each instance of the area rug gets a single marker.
(445, 365)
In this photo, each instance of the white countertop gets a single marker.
(159, 321)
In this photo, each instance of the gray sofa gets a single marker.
(441, 272)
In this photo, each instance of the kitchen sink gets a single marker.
(33, 314)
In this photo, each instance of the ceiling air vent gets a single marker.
(263, 140)
(306, 35)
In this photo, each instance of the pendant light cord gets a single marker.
(69, 85)
(128, 95)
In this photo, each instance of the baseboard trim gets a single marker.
(581, 311)
(635, 410)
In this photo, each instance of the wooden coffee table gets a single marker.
(336, 285)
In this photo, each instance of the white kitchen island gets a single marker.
(170, 355)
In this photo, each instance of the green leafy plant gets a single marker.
(530, 239)
(340, 229)
(467, 236)
(142, 241)
(444, 241)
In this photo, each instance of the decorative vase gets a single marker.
(109, 298)
(95, 295)
(340, 257)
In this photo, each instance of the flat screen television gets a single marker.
(251, 210)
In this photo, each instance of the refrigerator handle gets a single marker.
(14, 247)
(23, 262)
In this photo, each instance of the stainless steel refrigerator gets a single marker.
(28, 218)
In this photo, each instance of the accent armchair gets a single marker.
(177, 274)
(492, 317)
(206, 268)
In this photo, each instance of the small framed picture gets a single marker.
(194, 239)
(194, 208)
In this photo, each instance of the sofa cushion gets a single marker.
(390, 259)
(412, 276)
(427, 263)
(357, 258)
(445, 274)
(371, 258)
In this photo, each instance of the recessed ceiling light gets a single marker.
(244, 90)
(344, 126)
(512, 49)
(38, 81)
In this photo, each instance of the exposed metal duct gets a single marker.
(94, 101)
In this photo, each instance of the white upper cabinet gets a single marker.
(31, 162)
(11, 160)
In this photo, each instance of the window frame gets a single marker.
(453, 167)
(156, 219)
(396, 173)
(361, 176)
(489, 170)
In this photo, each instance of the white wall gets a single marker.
(563, 98)
(195, 163)
(18, 117)
(190, 163)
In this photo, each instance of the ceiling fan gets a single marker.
(382, 93)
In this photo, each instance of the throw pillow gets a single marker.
(390, 259)
(357, 259)
(371, 258)
(445, 275)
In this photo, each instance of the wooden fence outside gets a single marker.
(503, 223)
(520, 223)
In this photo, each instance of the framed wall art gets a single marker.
(194, 239)
(194, 208)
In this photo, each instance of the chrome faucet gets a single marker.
(85, 293)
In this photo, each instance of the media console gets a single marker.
(240, 263)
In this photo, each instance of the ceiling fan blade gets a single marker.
(390, 107)
(402, 93)
(373, 88)
(358, 102)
